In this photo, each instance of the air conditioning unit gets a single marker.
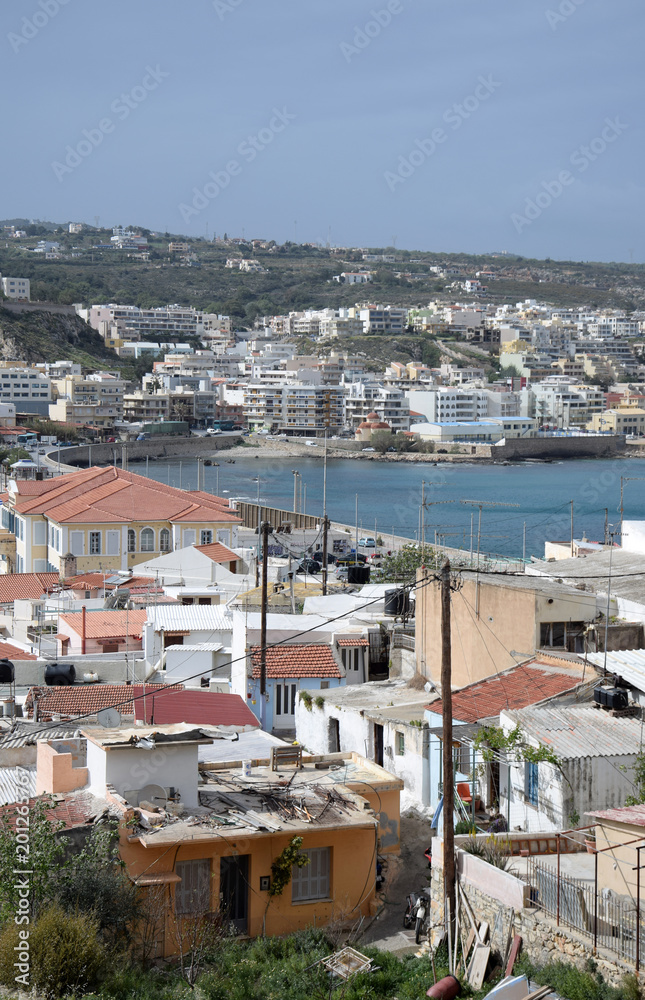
(389, 752)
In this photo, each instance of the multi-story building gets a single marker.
(105, 519)
(262, 406)
(558, 401)
(627, 420)
(382, 319)
(167, 323)
(29, 390)
(16, 288)
(449, 404)
(149, 407)
(96, 401)
(310, 410)
(363, 398)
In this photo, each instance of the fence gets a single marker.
(608, 920)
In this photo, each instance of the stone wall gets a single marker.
(542, 940)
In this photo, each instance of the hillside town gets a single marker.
(289, 726)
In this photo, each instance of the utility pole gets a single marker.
(325, 527)
(448, 780)
(571, 502)
(263, 621)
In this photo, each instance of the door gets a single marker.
(234, 891)
(285, 705)
(334, 736)
(378, 744)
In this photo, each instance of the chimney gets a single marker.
(83, 621)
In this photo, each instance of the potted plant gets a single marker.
(590, 841)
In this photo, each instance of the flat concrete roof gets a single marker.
(592, 570)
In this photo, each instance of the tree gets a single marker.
(403, 565)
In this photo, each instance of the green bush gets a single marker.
(65, 953)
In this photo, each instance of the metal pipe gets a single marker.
(557, 838)
(595, 901)
(638, 907)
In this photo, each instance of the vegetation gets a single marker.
(491, 740)
(282, 866)
(494, 850)
(578, 984)
(403, 565)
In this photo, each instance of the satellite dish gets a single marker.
(155, 794)
(109, 718)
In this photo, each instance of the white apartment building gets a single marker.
(29, 390)
(558, 401)
(166, 323)
(391, 405)
(299, 410)
(382, 319)
(16, 288)
(443, 405)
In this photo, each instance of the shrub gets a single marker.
(319, 701)
(65, 953)
(306, 698)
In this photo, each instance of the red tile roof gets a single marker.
(74, 810)
(630, 815)
(10, 652)
(88, 699)
(201, 708)
(515, 688)
(351, 640)
(104, 624)
(26, 586)
(217, 552)
(105, 495)
(300, 660)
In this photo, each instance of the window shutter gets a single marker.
(113, 543)
(77, 542)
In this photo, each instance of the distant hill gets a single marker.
(42, 335)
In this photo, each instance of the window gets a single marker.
(205, 536)
(95, 543)
(132, 540)
(312, 881)
(399, 743)
(147, 540)
(531, 782)
(193, 893)
(164, 540)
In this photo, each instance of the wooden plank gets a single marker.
(515, 950)
(484, 928)
(478, 966)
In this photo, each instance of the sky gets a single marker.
(443, 125)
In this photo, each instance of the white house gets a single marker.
(188, 642)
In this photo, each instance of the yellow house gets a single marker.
(105, 518)
(206, 839)
(624, 420)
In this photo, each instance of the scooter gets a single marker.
(417, 909)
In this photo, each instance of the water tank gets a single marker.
(60, 674)
(358, 574)
(397, 602)
(7, 672)
(611, 697)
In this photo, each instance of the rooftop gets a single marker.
(580, 731)
(82, 700)
(297, 660)
(515, 688)
(104, 624)
(26, 586)
(394, 700)
(630, 815)
(628, 664)
(202, 708)
(326, 792)
(190, 618)
(592, 572)
(108, 494)
(217, 552)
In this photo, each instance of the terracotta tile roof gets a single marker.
(351, 640)
(105, 495)
(88, 699)
(515, 688)
(104, 624)
(74, 810)
(25, 586)
(96, 581)
(201, 708)
(217, 552)
(299, 660)
(10, 652)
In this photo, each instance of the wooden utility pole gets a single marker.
(266, 527)
(325, 527)
(448, 780)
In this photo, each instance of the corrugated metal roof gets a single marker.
(627, 663)
(15, 782)
(580, 732)
(198, 647)
(29, 733)
(192, 617)
(255, 745)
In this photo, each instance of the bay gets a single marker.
(389, 495)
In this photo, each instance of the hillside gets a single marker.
(33, 336)
(296, 276)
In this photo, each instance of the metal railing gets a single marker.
(402, 641)
(610, 920)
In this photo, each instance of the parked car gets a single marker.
(309, 566)
(351, 558)
(368, 542)
(368, 449)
